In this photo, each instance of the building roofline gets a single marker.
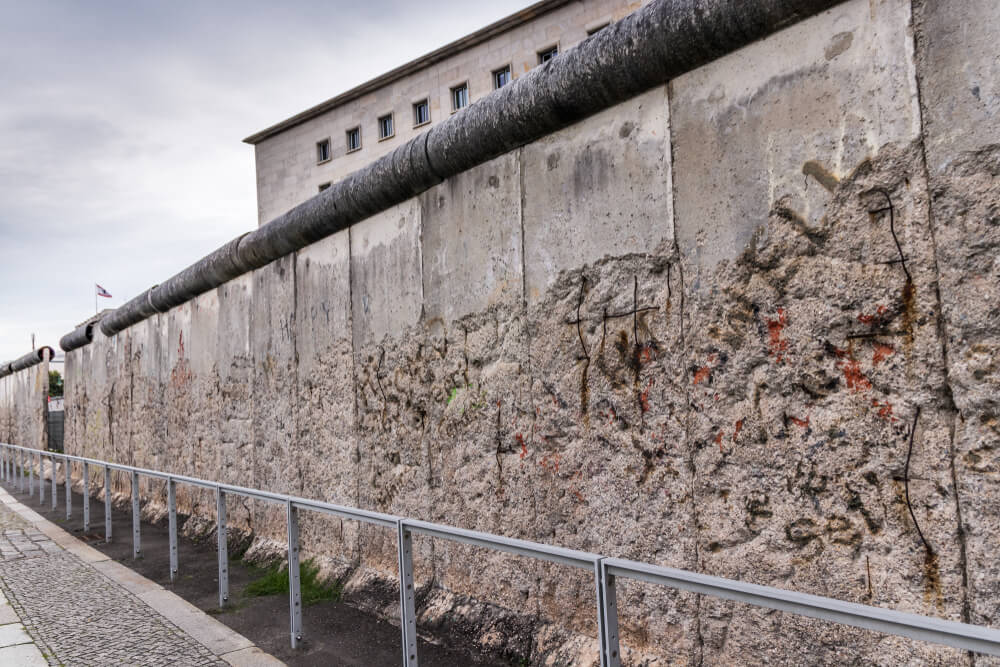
(426, 60)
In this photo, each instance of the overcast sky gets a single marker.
(121, 159)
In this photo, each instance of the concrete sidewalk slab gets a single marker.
(23, 655)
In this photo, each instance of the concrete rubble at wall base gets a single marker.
(741, 324)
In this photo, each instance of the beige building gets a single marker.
(304, 154)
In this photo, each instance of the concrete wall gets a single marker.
(287, 171)
(23, 407)
(742, 324)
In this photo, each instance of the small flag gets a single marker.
(102, 292)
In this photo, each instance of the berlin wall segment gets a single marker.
(739, 324)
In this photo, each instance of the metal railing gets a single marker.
(15, 469)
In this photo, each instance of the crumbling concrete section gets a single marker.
(743, 323)
(24, 396)
(960, 94)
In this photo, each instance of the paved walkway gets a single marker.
(64, 603)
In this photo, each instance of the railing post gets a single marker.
(68, 475)
(4, 456)
(136, 515)
(607, 615)
(107, 503)
(21, 457)
(41, 479)
(407, 598)
(86, 497)
(172, 524)
(55, 484)
(31, 475)
(294, 585)
(223, 544)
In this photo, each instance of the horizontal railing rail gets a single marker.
(17, 466)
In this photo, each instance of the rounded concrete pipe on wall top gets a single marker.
(31, 359)
(82, 335)
(132, 312)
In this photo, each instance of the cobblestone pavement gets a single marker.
(76, 615)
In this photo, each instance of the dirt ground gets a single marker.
(334, 632)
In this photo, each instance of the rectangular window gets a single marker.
(501, 77)
(385, 129)
(322, 151)
(323, 186)
(547, 55)
(354, 139)
(460, 97)
(421, 113)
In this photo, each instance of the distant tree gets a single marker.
(55, 383)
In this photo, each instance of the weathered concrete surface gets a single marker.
(386, 283)
(23, 406)
(756, 127)
(614, 171)
(697, 330)
(325, 419)
(795, 180)
(472, 241)
(959, 73)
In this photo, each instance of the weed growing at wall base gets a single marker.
(275, 582)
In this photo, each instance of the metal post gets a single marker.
(107, 503)
(407, 606)
(86, 497)
(41, 479)
(136, 538)
(294, 585)
(221, 539)
(3, 456)
(607, 615)
(55, 484)
(172, 525)
(21, 467)
(68, 474)
(31, 475)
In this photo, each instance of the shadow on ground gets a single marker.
(334, 632)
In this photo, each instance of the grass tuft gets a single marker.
(275, 582)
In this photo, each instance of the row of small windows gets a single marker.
(422, 110)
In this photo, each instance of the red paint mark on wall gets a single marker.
(856, 381)
(881, 352)
(718, 440)
(702, 374)
(803, 423)
(573, 488)
(550, 462)
(644, 397)
(885, 410)
(871, 319)
(524, 448)
(778, 345)
(739, 427)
